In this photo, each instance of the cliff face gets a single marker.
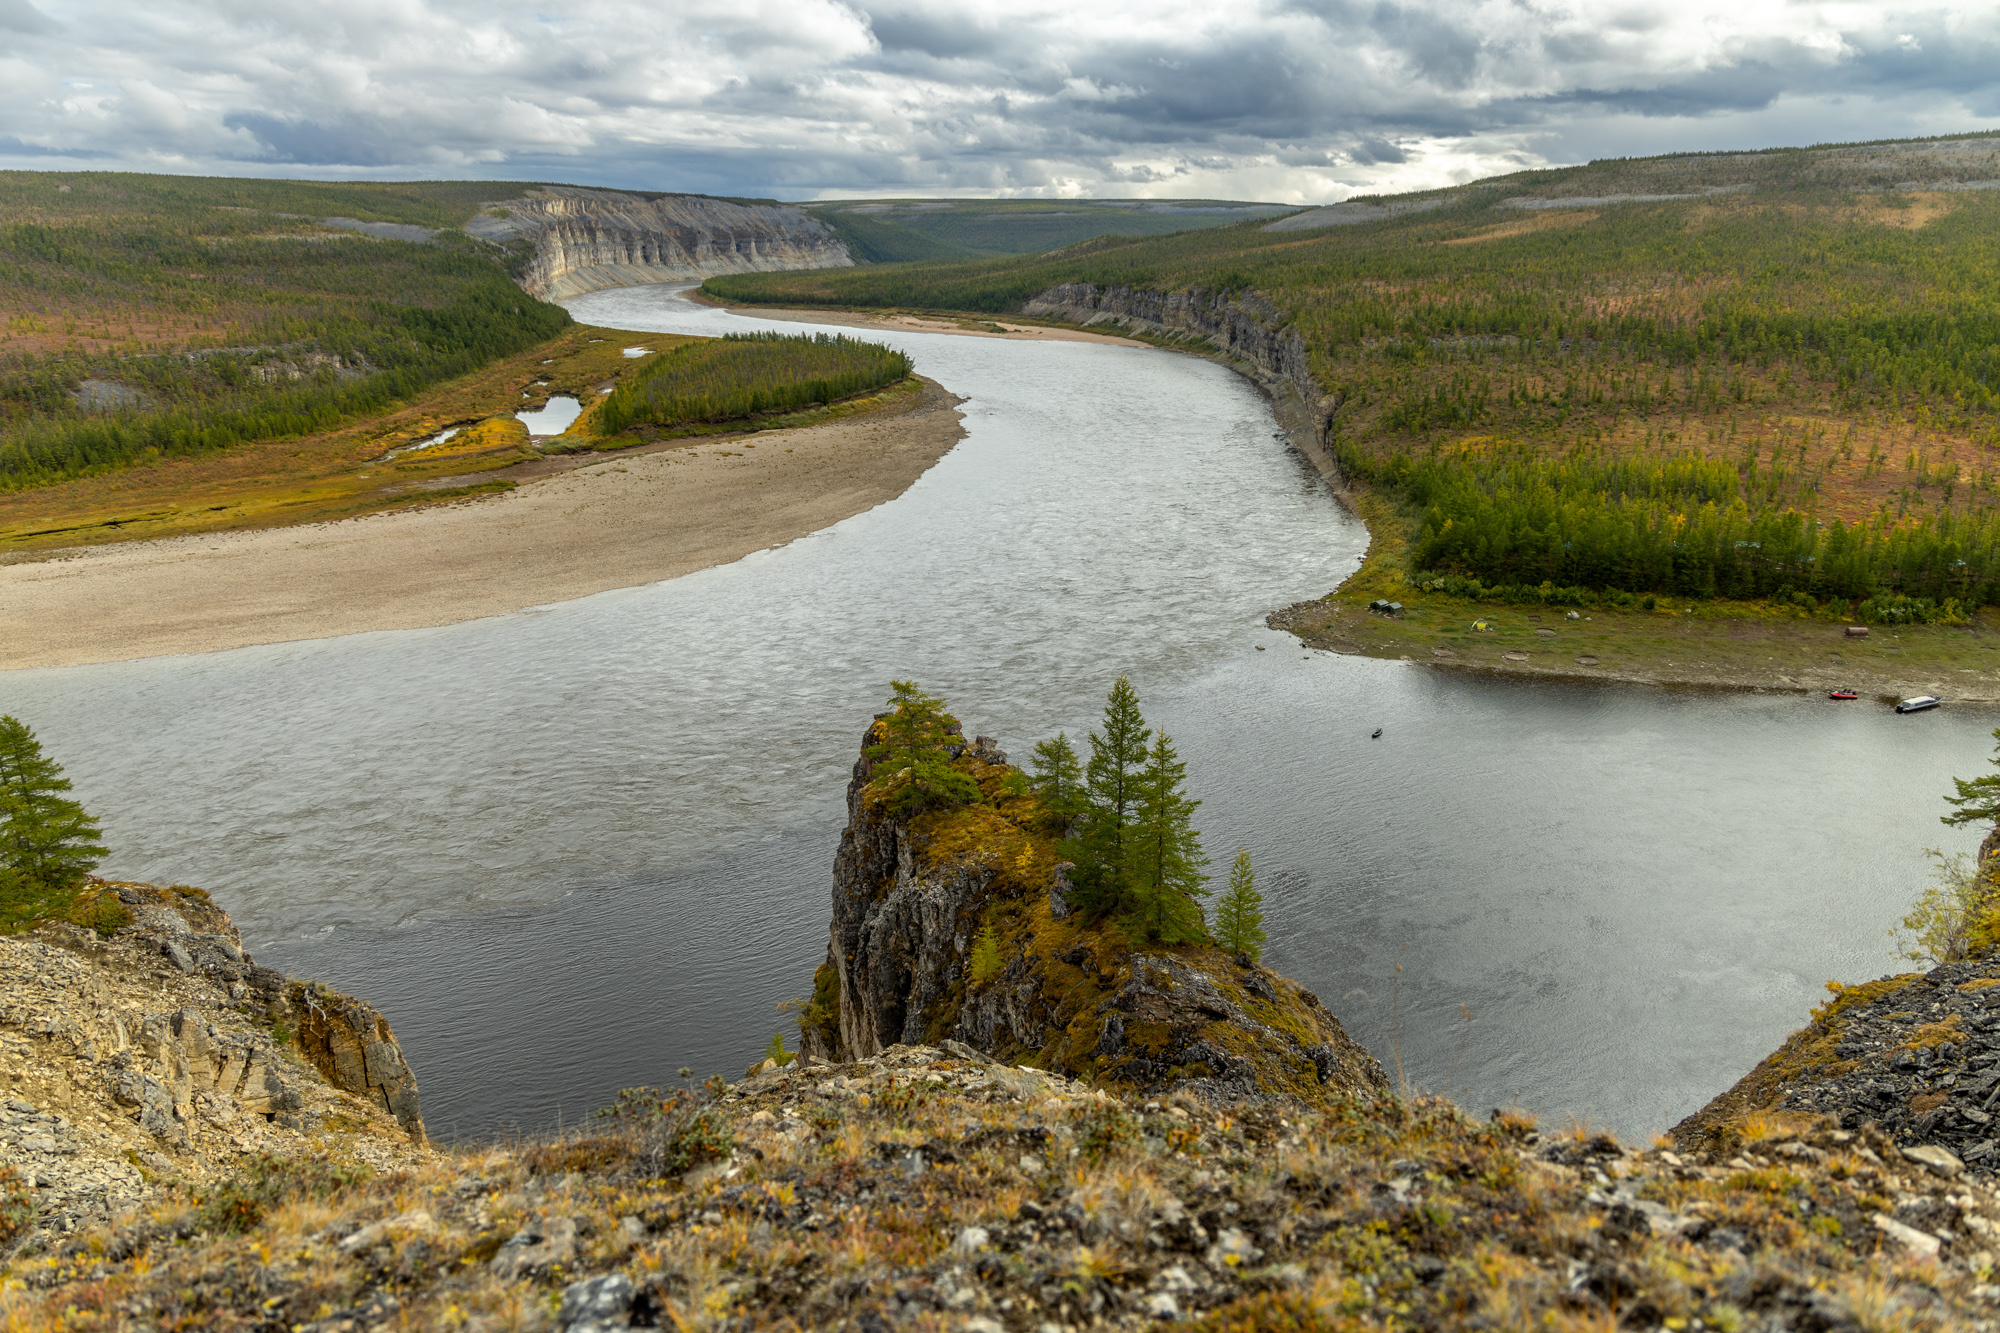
(587, 239)
(162, 1052)
(1249, 331)
(910, 895)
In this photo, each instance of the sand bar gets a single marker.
(1002, 328)
(613, 521)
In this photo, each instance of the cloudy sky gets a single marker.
(1245, 99)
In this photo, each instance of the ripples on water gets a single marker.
(569, 849)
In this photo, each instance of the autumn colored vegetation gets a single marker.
(1783, 384)
(152, 317)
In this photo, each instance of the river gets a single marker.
(571, 849)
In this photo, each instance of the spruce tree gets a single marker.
(1978, 799)
(1058, 783)
(912, 753)
(1100, 845)
(47, 842)
(1165, 863)
(1239, 917)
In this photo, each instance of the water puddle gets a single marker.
(558, 416)
(638, 351)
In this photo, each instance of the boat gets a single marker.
(1922, 703)
(1842, 694)
(1377, 736)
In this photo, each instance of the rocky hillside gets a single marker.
(586, 239)
(162, 1056)
(911, 893)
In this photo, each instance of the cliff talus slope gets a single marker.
(912, 892)
(587, 239)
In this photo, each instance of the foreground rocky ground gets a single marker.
(932, 1189)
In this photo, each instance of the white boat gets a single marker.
(1919, 704)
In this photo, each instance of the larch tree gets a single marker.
(1100, 843)
(1165, 865)
(1978, 799)
(1239, 916)
(1058, 783)
(48, 843)
(912, 753)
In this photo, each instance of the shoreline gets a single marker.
(968, 326)
(601, 522)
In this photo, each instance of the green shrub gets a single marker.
(242, 1200)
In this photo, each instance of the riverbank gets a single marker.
(572, 526)
(1681, 642)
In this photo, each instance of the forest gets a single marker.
(747, 374)
(155, 316)
(1784, 382)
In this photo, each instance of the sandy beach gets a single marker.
(616, 521)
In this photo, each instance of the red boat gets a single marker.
(1842, 694)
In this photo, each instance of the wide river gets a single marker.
(571, 849)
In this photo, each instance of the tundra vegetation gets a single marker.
(1783, 385)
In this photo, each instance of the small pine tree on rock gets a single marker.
(48, 843)
(986, 957)
(1101, 844)
(1165, 865)
(1058, 784)
(1239, 917)
(1978, 799)
(912, 754)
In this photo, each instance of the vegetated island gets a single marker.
(1028, 1097)
(1720, 406)
(211, 364)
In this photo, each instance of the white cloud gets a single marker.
(1300, 100)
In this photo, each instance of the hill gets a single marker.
(1758, 377)
(888, 231)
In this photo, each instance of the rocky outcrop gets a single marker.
(1252, 335)
(587, 239)
(911, 895)
(1914, 1057)
(158, 1052)
(352, 1047)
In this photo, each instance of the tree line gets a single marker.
(745, 374)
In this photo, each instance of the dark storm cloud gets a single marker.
(1288, 99)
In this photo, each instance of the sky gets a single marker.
(802, 99)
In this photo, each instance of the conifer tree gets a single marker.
(1058, 782)
(1100, 846)
(1165, 863)
(1978, 799)
(912, 753)
(47, 842)
(1239, 917)
(986, 959)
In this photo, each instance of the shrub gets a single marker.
(241, 1201)
(1940, 924)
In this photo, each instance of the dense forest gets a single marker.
(746, 374)
(153, 316)
(1784, 382)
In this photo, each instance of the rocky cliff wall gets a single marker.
(1248, 331)
(163, 1052)
(911, 894)
(588, 239)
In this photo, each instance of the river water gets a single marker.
(570, 849)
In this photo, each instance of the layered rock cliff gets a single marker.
(1249, 332)
(164, 1052)
(587, 239)
(911, 894)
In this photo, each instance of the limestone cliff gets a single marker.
(586, 239)
(1249, 332)
(163, 1051)
(911, 893)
